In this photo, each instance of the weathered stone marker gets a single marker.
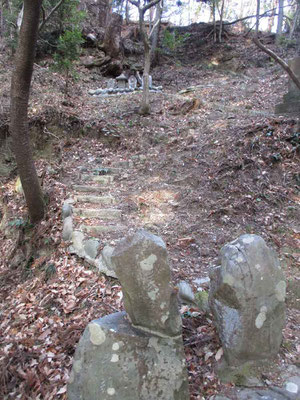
(139, 355)
(291, 100)
(247, 300)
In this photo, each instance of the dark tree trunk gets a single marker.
(20, 87)
(112, 37)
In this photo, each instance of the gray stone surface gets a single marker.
(100, 179)
(67, 228)
(104, 262)
(90, 188)
(98, 229)
(66, 210)
(247, 296)
(291, 100)
(77, 246)
(95, 199)
(91, 247)
(111, 83)
(141, 265)
(132, 82)
(115, 361)
(263, 394)
(101, 213)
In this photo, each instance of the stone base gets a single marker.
(290, 105)
(115, 361)
(291, 108)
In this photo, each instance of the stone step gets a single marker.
(100, 179)
(95, 199)
(104, 171)
(98, 229)
(89, 188)
(101, 213)
(122, 164)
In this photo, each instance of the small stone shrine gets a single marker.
(247, 297)
(122, 85)
(291, 100)
(136, 355)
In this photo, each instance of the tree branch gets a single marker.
(153, 28)
(50, 14)
(149, 5)
(279, 60)
(265, 14)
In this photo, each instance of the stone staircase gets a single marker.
(88, 213)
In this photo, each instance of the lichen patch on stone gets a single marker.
(115, 346)
(280, 291)
(111, 391)
(148, 263)
(77, 365)
(292, 387)
(248, 240)
(228, 279)
(97, 336)
(114, 358)
(260, 319)
(152, 294)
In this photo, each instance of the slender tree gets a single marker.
(155, 35)
(143, 8)
(280, 19)
(20, 87)
(257, 17)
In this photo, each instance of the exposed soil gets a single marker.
(209, 164)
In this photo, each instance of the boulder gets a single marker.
(141, 265)
(104, 263)
(115, 361)
(67, 228)
(247, 296)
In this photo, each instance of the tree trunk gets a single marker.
(155, 35)
(214, 20)
(145, 105)
(20, 87)
(295, 21)
(272, 16)
(257, 17)
(127, 12)
(112, 37)
(280, 19)
(221, 21)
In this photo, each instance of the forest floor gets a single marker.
(210, 163)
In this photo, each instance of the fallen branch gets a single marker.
(279, 60)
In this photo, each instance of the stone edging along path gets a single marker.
(93, 212)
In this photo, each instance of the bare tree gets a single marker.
(143, 8)
(280, 19)
(295, 20)
(221, 21)
(155, 35)
(257, 17)
(20, 87)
